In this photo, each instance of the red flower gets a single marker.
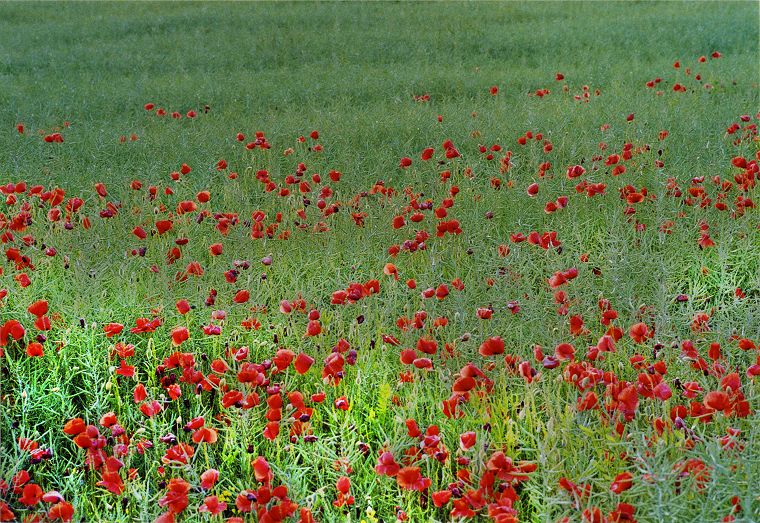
(410, 478)
(504, 469)
(209, 479)
(61, 510)
(386, 465)
(303, 363)
(11, 329)
(493, 346)
(205, 434)
(31, 494)
(183, 307)
(640, 332)
(38, 308)
(176, 495)
(179, 335)
(622, 482)
(467, 440)
(261, 470)
(441, 497)
(212, 505)
(564, 351)
(241, 296)
(34, 350)
(717, 400)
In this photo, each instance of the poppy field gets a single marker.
(393, 262)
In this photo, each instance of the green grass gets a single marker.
(350, 71)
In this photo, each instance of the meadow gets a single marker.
(380, 262)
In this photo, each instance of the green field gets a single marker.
(651, 189)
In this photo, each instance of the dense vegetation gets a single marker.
(379, 262)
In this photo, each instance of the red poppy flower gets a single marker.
(303, 363)
(176, 497)
(410, 478)
(38, 308)
(622, 482)
(31, 494)
(493, 346)
(179, 335)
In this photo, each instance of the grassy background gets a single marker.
(350, 70)
(347, 69)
